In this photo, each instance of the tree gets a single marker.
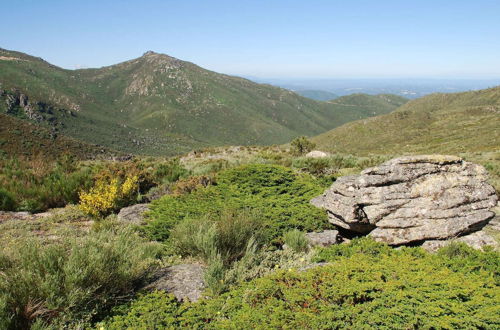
(301, 145)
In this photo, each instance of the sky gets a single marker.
(280, 39)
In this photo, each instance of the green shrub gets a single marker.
(257, 264)
(73, 280)
(281, 197)
(157, 310)
(364, 286)
(363, 245)
(296, 240)
(301, 145)
(226, 235)
(7, 202)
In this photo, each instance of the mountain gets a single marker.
(317, 95)
(159, 105)
(438, 123)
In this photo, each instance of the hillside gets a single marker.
(318, 95)
(438, 123)
(160, 105)
(21, 138)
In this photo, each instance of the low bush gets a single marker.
(281, 197)
(7, 202)
(70, 281)
(157, 310)
(108, 195)
(301, 145)
(226, 235)
(296, 240)
(365, 285)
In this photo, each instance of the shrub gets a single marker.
(106, 196)
(71, 280)
(226, 235)
(296, 240)
(281, 197)
(157, 310)
(301, 145)
(7, 202)
(378, 288)
(37, 185)
(315, 166)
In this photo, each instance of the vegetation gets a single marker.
(365, 284)
(159, 105)
(280, 196)
(296, 240)
(71, 281)
(301, 145)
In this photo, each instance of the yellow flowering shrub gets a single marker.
(108, 195)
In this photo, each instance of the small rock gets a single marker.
(184, 281)
(477, 240)
(316, 154)
(133, 214)
(324, 238)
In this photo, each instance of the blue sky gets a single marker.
(320, 39)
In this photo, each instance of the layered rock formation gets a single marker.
(412, 199)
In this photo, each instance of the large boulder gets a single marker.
(184, 281)
(412, 199)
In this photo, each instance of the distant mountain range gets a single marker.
(159, 105)
(410, 88)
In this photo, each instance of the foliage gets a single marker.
(365, 285)
(301, 145)
(157, 310)
(107, 196)
(296, 240)
(36, 185)
(226, 235)
(72, 280)
(7, 202)
(281, 197)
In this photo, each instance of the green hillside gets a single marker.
(160, 105)
(317, 95)
(438, 123)
(21, 138)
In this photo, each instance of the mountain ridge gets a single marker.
(157, 104)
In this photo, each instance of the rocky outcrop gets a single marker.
(133, 214)
(184, 281)
(316, 154)
(412, 199)
(324, 238)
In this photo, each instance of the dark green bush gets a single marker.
(281, 197)
(365, 286)
(72, 280)
(301, 145)
(7, 202)
(157, 310)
